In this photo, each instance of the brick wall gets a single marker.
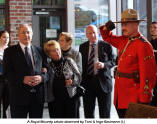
(20, 12)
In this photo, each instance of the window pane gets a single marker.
(124, 4)
(154, 10)
(60, 2)
(2, 1)
(2, 20)
(50, 28)
(89, 12)
(140, 6)
(42, 2)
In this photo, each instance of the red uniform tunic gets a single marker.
(138, 56)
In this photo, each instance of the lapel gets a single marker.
(34, 54)
(99, 49)
(21, 55)
(86, 51)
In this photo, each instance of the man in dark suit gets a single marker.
(153, 41)
(96, 78)
(22, 66)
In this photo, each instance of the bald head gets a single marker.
(92, 33)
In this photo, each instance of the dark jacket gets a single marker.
(154, 44)
(70, 68)
(15, 68)
(105, 55)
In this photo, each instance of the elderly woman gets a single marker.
(65, 41)
(60, 89)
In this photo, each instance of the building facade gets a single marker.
(50, 17)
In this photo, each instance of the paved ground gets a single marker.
(113, 112)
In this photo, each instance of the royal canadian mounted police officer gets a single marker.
(135, 76)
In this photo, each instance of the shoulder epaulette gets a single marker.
(142, 39)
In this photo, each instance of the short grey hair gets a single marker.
(25, 25)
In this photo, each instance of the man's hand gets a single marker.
(44, 70)
(99, 65)
(32, 80)
(37, 80)
(28, 80)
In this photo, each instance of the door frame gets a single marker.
(37, 12)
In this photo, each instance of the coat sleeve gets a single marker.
(44, 75)
(75, 70)
(9, 70)
(79, 61)
(147, 70)
(108, 36)
(111, 58)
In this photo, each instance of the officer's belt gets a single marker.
(134, 75)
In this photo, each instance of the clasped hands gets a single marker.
(32, 80)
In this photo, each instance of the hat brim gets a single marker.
(130, 21)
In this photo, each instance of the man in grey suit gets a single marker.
(97, 60)
(22, 66)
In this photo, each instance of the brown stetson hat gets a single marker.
(129, 15)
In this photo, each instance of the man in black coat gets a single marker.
(96, 77)
(22, 66)
(153, 33)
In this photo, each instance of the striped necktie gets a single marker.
(90, 70)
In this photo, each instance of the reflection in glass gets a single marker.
(55, 22)
(154, 10)
(60, 2)
(89, 12)
(2, 2)
(2, 20)
(124, 4)
(42, 2)
(140, 6)
(50, 28)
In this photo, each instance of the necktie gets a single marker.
(29, 61)
(90, 70)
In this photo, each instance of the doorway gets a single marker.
(47, 25)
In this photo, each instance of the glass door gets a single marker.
(50, 28)
(47, 25)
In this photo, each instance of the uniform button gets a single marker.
(134, 84)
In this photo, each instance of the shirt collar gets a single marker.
(23, 46)
(93, 43)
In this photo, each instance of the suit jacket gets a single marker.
(15, 68)
(105, 55)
